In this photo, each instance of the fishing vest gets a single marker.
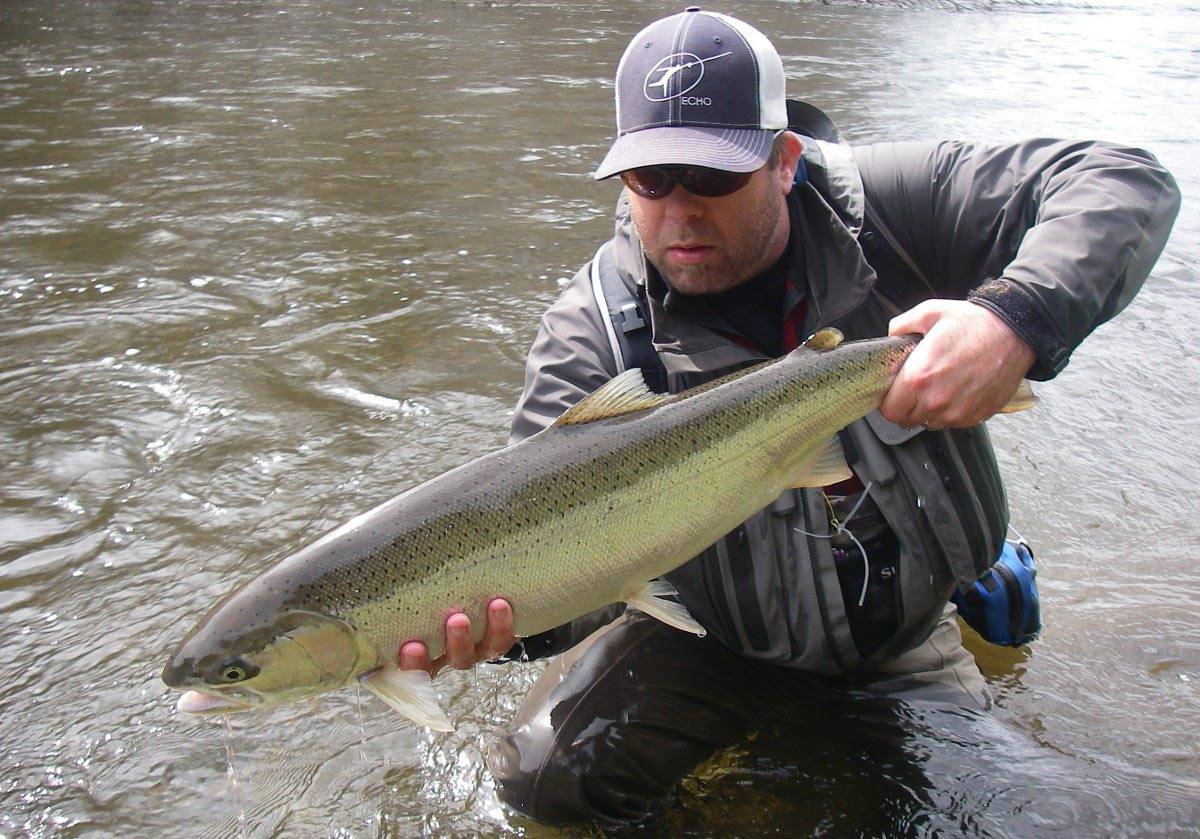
(778, 586)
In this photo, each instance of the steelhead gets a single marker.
(624, 487)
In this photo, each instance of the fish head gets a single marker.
(229, 664)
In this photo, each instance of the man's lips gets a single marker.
(689, 254)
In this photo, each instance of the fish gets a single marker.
(624, 487)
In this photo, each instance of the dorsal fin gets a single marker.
(825, 339)
(624, 394)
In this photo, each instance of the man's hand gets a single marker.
(966, 368)
(462, 653)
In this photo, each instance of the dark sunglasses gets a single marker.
(656, 182)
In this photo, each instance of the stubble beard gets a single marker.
(731, 265)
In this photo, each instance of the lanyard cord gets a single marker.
(841, 528)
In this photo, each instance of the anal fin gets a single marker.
(411, 693)
(650, 600)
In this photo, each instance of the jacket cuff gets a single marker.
(1022, 314)
(543, 645)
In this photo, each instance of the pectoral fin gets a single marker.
(1022, 400)
(827, 466)
(650, 600)
(411, 693)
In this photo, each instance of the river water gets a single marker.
(264, 264)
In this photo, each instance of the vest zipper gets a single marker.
(926, 551)
(818, 586)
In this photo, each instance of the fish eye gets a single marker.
(235, 670)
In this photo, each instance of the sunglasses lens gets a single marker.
(655, 182)
(649, 181)
(713, 183)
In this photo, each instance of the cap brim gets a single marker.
(734, 150)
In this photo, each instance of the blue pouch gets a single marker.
(1002, 605)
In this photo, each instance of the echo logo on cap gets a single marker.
(689, 67)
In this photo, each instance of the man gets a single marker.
(745, 226)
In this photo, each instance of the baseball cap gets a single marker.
(697, 88)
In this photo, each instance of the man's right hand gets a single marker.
(462, 653)
(966, 368)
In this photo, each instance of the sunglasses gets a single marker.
(656, 182)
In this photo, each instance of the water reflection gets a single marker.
(882, 768)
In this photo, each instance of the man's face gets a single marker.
(706, 245)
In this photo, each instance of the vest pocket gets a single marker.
(876, 619)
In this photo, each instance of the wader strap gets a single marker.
(626, 321)
(908, 261)
(602, 301)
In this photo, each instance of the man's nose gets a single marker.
(682, 205)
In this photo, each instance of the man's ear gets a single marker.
(789, 157)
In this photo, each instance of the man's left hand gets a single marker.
(462, 653)
(966, 368)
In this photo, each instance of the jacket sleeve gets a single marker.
(1054, 237)
(569, 359)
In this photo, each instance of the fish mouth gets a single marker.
(199, 703)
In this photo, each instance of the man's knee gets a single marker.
(541, 765)
(612, 725)
(529, 777)
(557, 780)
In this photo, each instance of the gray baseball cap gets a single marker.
(697, 88)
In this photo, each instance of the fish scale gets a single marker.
(579, 516)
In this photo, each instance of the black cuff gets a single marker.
(1024, 316)
(542, 645)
